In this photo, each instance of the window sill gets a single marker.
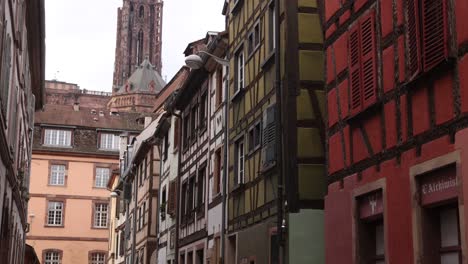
(109, 150)
(266, 169)
(238, 188)
(54, 226)
(100, 188)
(100, 228)
(252, 53)
(237, 94)
(266, 64)
(202, 129)
(57, 185)
(57, 146)
(254, 150)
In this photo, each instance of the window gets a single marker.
(219, 86)
(165, 147)
(100, 215)
(271, 26)
(110, 141)
(162, 209)
(363, 67)
(254, 38)
(193, 123)
(450, 234)
(55, 213)
(201, 186)
(57, 175)
(186, 131)
(172, 198)
(56, 137)
(203, 110)
(140, 218)
(144, 213)
(98, 258)
(239, 161)
(52, 257)
(217, 171)
(427, 34)
(142, 12)
(139, 51)
(370, 228)
(239, 70)
(6, 66)
(191, 195)
(183, 206)
(255, 137)
(102, 177)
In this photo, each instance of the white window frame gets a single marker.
(52, 257)
(101, 213)
(57, 137)
(109, 141)
(102, 177)
(240, 155)
(240, 77)
(55, 213)
(98, 258)
(57, 174)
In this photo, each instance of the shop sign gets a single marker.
(371, 205)
(439, 186)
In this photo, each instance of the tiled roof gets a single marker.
(65, 115)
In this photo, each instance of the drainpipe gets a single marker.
(135, 204)
(279, 128)
(176, 244)
(225, 168)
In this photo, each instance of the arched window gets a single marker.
(141, 13)
(139, 53)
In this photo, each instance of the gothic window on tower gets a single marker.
(139, 52)
(141, 13)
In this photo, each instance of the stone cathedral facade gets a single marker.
(139, 31)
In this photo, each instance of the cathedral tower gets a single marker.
(139, 31)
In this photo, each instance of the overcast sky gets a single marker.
(80, 37)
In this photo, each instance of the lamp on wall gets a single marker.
(195, 62)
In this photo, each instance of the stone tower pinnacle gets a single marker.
(139, 31)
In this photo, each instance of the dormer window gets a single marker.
(57, 137)
(109, 141)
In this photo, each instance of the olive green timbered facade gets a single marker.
(255, 129)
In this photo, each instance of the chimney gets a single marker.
(148, 121)
(76, 107)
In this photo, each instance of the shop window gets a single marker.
(370, 228)
(440, 226)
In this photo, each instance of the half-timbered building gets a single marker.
(276, 132)
(397, 86)
(198, 213)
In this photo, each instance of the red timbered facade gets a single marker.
(397, 99)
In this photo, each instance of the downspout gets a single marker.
(176, 244)
(279, 128)
(135, 204)
(225, 168)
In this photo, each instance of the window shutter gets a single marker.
(172, 198)
(355, 69)
(413, 38)
(269, 137)
(434, 29)
(368, 59)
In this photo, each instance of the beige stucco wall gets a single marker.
(77, 237)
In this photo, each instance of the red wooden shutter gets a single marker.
(355, 69)
(434, 28)
(368, 60)
(413, 39)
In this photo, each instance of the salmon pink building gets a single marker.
(76, 148)
(397, 97)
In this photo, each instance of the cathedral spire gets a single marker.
(139, 32)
